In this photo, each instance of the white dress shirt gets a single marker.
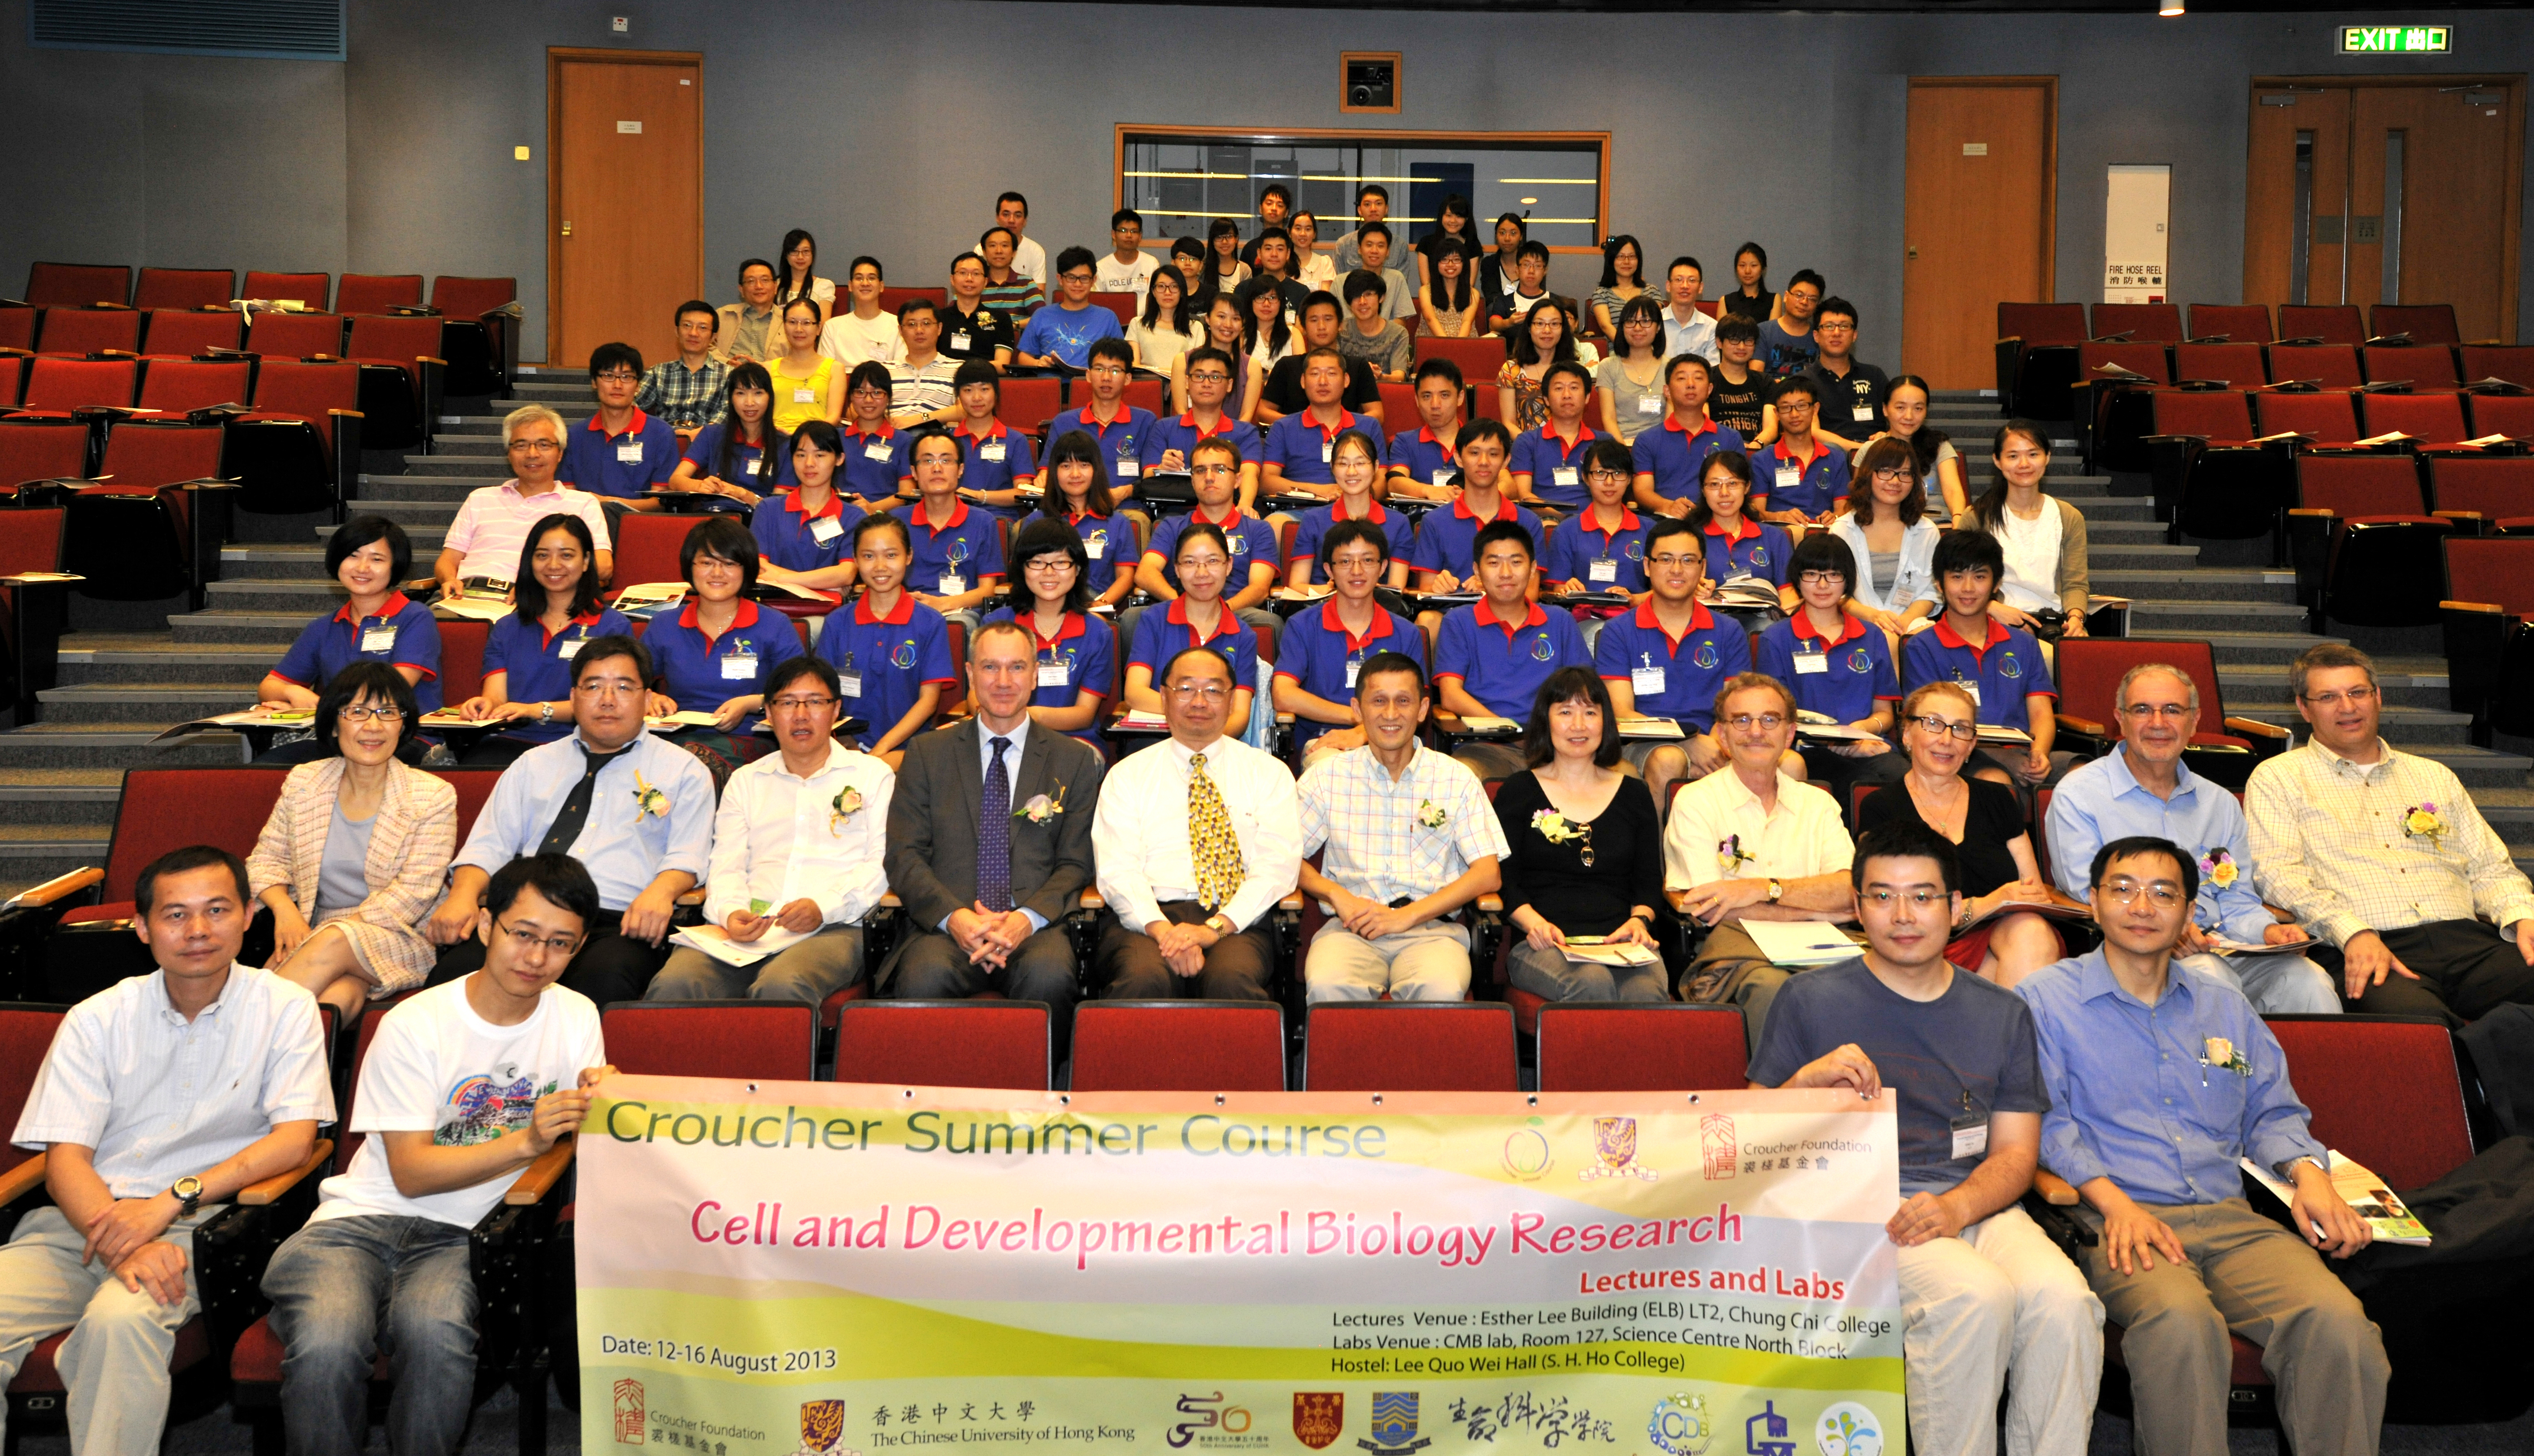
(157, 1097)
(1697, 337)
(1139, 836)
(777, 839)
(1718, 819)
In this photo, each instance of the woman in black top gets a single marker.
(1584, 844)
(1751, 297)
(1939, 728)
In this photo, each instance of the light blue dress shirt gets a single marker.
(2135, 1095)
(623, 845)
(2102, 801)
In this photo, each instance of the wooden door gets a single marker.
(1982, 193)
(624, 195)
(2285, 117)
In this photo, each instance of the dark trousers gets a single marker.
(609, 968)
(2465, 969)
(1237, 967)
(932, 967)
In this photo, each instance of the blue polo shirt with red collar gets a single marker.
(402, 633)
(1555, 465)
(999, 459)
(702, 672)
(1612, 560)
(1422, 457)
(1758, 549)
(876, 463)
(1844, 676)
(970, 545)
(1084, 653)
(1504, 666)
(1673, 453)
(1812, 484)
(1252, 542)
(1181, 433)
(625, 465)
(1302, 447)
(1122, 441)
(884, 662)
(538, 663)
(2000, 671)
(1312, 526)
(1164, 632)
(1109, 540)
(1318, 654)
(1448, 540)
(798, 539)
(1673, 677)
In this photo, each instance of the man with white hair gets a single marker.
(493, 523)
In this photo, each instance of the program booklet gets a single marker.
(2382, 1208)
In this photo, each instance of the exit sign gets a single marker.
(2398, 39)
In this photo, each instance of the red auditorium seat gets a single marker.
(2425, 323)
(1179, 1046)
(2489, 647)
(42, 450)
(12, 379)
(480, 345)
(2112, 408)
(1148, 394)
(18, 327)
(1641, 1047)
(2240, 322)
(144, 454)
(2483, 494)
(2431, 419)
(2143, 323)
(1409, 1047)
(891, 298)
(2036, 357)
(646, 548)
(944, 1044)
(177, 385)
(461, 660)
(402, 378)
(2148, 360)
(133, 537)
(2330, 365)
(1478, 359)
(76, 332)
(2237, 364)
(75, 384)
(2514, 363)
(2326, 419)
(742, 1041)
(175, 334)
(376, 293)
(1027, 404)
(306, 288)
(165, 809)
(2422, 366)
(2210, 479)
(25, 1034)
(2511, 415)
(77, 284)
(278, 336)
(2224, 749)
(302, 438)
(1121, 304)
(2366, 552)
(2331, 323)
(184, 288)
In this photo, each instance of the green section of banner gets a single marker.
(856, 1337)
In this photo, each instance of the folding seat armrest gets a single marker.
(24, 1178)
(2256, 728)
(540, 1176)
(2070, 723)
(2493, 609)
(56, 890)
(2054, 1189)
(2467, 523)
(271, 1189)
(2047, 1201)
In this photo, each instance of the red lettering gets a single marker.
(1523, 1226)
(930, 1228)
(695, 1223)
(1562, 1242)
(956, 1235)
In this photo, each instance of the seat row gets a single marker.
(79, 284)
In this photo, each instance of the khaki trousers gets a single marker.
(1999, 1309)
(115, 1364)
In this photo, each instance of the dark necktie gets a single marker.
(574, 813)
(994, 832)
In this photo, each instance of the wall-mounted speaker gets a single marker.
(1372, 82)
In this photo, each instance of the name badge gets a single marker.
(1808, 664)
(1645, 681)
(959, 340)
(1354, 666)
(1604, 569)
(1128, 467)
(1441, 479)
(1969, 688)
(1096, 547)
(739, 668)
(826, 528)
(1328, 450)
(1971, 1136)
(630, 454)
(850, 679)
(378, 638)
(1861, 414)
(991, 449)
(878, 451)
(1566, 475)
(952, 583)
(1650, 405)
(805, 396)
(1054, 672)
(566, 648)
(1790, 476)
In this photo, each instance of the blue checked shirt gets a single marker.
(1372, 832)
(688, 398)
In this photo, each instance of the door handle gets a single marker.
(567, 232)
(1913, 253)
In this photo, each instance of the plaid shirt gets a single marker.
(1374, 834)
(2335, 844)
(688, 398)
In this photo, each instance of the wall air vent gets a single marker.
(287, 29)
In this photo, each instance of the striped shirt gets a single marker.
(924, 390)
(2385, 846)
(157, 1097)
(688, 398)
(1015, 301)
(1388, 839)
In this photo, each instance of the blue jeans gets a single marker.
(347, 1289)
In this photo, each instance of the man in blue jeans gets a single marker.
(464, 1086)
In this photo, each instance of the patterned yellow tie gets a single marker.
(1212, 844)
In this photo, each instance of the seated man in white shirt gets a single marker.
(464, 1086)
(796, 847)
(1405, 836)
(159, 1096)
(1196, 840)
(1753, 844)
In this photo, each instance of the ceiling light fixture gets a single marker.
(2168, 6)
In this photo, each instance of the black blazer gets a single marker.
(933, 822)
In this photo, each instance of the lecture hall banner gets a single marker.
(813, 1269)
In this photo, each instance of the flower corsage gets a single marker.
(1041, 808)
(847, 803)
(2225, 1056)
(1730, 856)
(2425, 823)
(648, 801)
(1553, 827)
(1432, 815)
(2217, 868)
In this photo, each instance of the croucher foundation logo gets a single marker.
(1319, 1417)
(1719, 1153)
(1614, 1141)
(629, 1412)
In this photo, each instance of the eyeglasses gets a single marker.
(1916, 899)
(1074, 278)
(1822, 579)
(1939, 727)
(1605, 474)
(1192, 692)
(1891, 474)
(1106, 368)
(1833, 327)
(526, 945)
(1208, 377)
(1765, 722)
(801, 705)
(2177, 711)
(1673, 560)
(2164, 893)
(870, 391)
(537, 447)
(1048, 564)
(2331, 701)
(386, 712)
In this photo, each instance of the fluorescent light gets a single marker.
(2168, 6)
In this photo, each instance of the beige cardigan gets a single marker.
(411, 844)
(2074, 582)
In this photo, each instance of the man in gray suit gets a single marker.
(990, 842)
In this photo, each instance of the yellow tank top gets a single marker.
(799, 400)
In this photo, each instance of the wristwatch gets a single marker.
(188, 1192)
(545, 712)
(1219, 922)
(1777, 892)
